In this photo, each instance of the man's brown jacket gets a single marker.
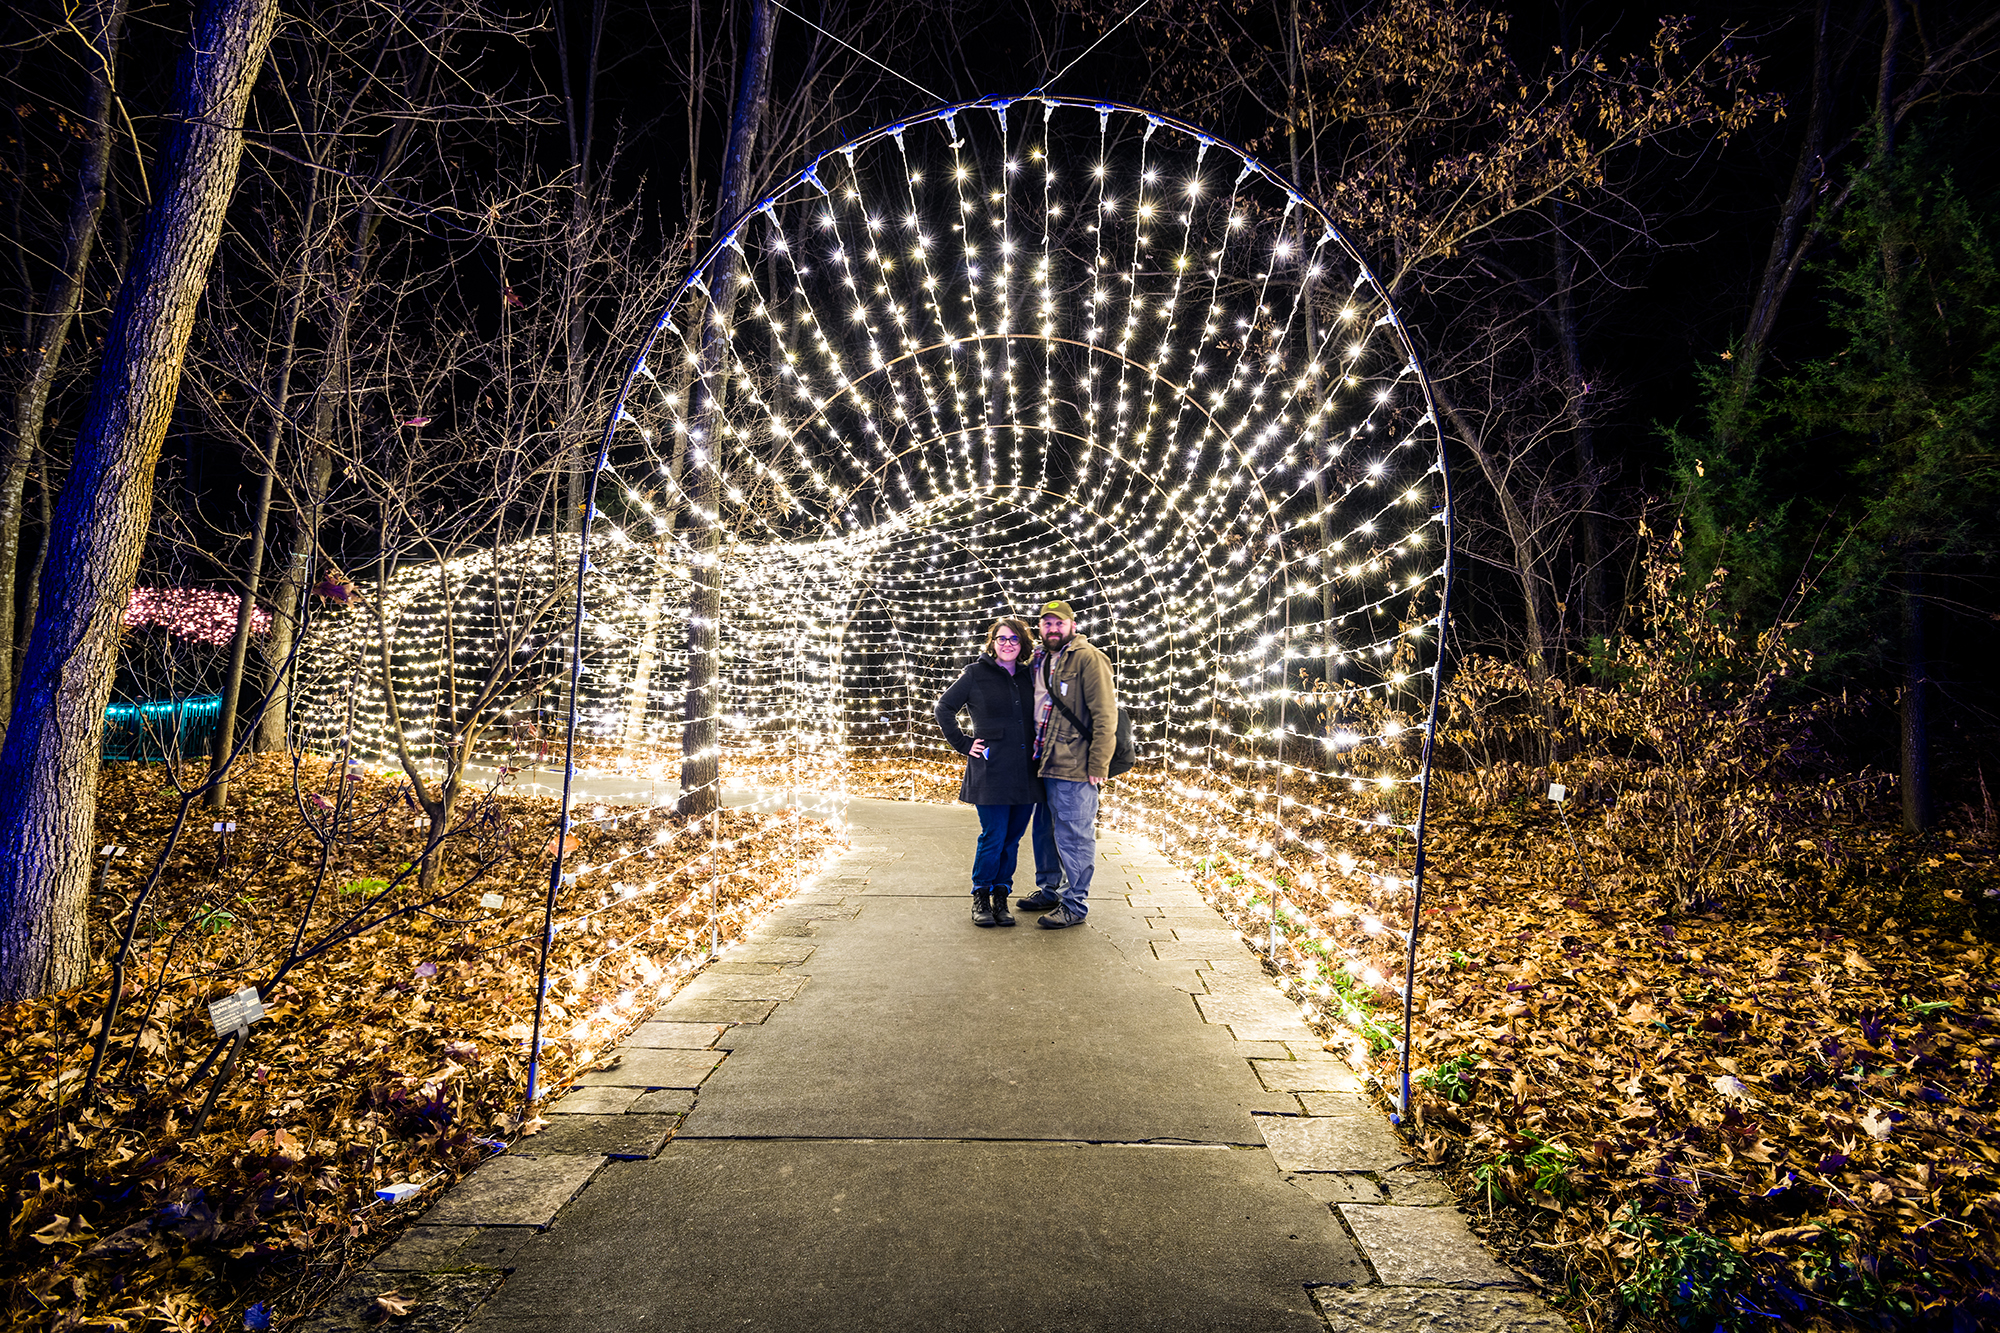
(1080, 676)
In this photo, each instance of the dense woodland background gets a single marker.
(1709, 301)
(1728, 270)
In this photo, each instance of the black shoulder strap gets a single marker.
(1049, 685)
(1074, 720)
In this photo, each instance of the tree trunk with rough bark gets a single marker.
(287, 597)
(701, 763)
(44, 352)
(287, 611)
(49, 766)
(284, 603)
(44, 499)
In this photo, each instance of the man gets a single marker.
(1076, 729)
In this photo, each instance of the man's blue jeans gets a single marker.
(1073, 813)
(1048, 861)
(999, 846)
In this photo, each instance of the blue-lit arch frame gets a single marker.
(809, 178)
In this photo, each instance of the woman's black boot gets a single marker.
(982, 909)
(1001, 916)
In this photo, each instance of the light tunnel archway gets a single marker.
(1026, 348)
(1044, 347)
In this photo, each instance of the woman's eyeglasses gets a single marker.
(1006, 638)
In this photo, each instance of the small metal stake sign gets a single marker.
(232, 1015)
(236, 1012)
(1560, 795)
(223, 828)
(107, 851)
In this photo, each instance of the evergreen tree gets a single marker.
(1865, 482)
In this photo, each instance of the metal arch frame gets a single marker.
(809, 175)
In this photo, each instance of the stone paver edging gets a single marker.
(1432, 1272)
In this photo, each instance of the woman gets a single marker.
(1000, 778)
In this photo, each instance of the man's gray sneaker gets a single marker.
(1057, 920)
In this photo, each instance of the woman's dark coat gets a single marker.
(1002, 708)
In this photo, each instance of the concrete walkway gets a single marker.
(882, 1117)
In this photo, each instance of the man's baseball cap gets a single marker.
(1061, 609)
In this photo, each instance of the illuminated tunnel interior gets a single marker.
(1010, 351)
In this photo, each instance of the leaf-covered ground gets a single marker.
(1732, 1114)
(1779, 1113)
(396, 1055)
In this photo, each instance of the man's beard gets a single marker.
(1054, 642)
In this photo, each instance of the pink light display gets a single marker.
(202, 614)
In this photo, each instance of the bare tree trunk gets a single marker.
(291, 583)
(331, 396)
(278, 405)
(1520, 534)
(286, 600)
(1597, 612)
(1300, 98)
(44, 352)
(335, 381)
(1793, 234)
(49, 766)
(700, 763)
(580, 119)
(239, 647)
(1885, 78)
(1916, 736)
(639, 692)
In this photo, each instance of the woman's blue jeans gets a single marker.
(999, 847)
